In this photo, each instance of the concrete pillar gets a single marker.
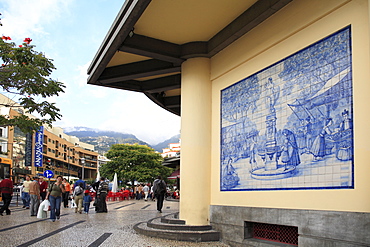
(195, 160)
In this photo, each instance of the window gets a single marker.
(4, 132)
(271, 232)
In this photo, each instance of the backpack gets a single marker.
(103, 187)
(78, 191)
(161, 187)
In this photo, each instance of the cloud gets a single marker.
(24, 18)
(70, 32)
(136, 114)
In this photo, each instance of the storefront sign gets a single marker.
(28, 156)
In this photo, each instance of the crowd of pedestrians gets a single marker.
(40, 197)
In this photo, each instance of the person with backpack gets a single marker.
(78, 197)
(102, 195)
(159, 189)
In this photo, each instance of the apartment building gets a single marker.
(67, 156)
(172, 150)
(48, 149)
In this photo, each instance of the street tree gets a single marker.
(25, 73)
(134, 162)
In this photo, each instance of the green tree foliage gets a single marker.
(134, 162)
(25, 73)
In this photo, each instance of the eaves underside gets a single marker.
(162, 59)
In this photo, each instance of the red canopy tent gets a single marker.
(174, 175)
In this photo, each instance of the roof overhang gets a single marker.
(149, 40)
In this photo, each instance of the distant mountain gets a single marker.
(160, 146)
(103, 140)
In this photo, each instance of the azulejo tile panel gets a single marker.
(290, 125)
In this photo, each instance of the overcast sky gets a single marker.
(70, 32)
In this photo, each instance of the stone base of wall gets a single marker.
(315, 228)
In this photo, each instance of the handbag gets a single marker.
(73, 203)
(46, 204)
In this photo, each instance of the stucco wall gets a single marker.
(297, 26)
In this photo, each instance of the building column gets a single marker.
(195, 166)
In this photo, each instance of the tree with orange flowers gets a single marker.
(25, 73)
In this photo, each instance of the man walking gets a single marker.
(35, 196)
(146, 192)
(6, 190)
(26, 192)
(102, 195)
(160, 189)
(78, 197)
(43, 188)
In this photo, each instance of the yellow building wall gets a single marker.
(298, 25)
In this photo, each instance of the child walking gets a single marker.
(87, 199)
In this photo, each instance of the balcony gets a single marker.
(17, 170)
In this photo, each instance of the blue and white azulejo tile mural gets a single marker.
(290, 126)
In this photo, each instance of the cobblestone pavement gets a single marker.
(114, 228)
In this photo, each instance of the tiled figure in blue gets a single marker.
(304, 135)
(230, 177)
(290, 152)
(253, 151)
(318, 148)
(344, 142)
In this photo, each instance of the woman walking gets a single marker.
(54, 195)
(67, 187)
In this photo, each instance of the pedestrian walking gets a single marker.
(146, 190)
(54, 196)
(35, 196)
(43, 188)
(139, 192)
(78, 194)
(67, 187)
(102, 195)
(152, 196)
(87, 200)
(160, 189)
(26, 192)
(6, 190)
(95, 187)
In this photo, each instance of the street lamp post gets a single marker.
(68, 160)
(83, 167)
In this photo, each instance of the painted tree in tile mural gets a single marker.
(134, 162)
(25, 76)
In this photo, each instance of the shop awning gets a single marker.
(5, 161)
(174, 175)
